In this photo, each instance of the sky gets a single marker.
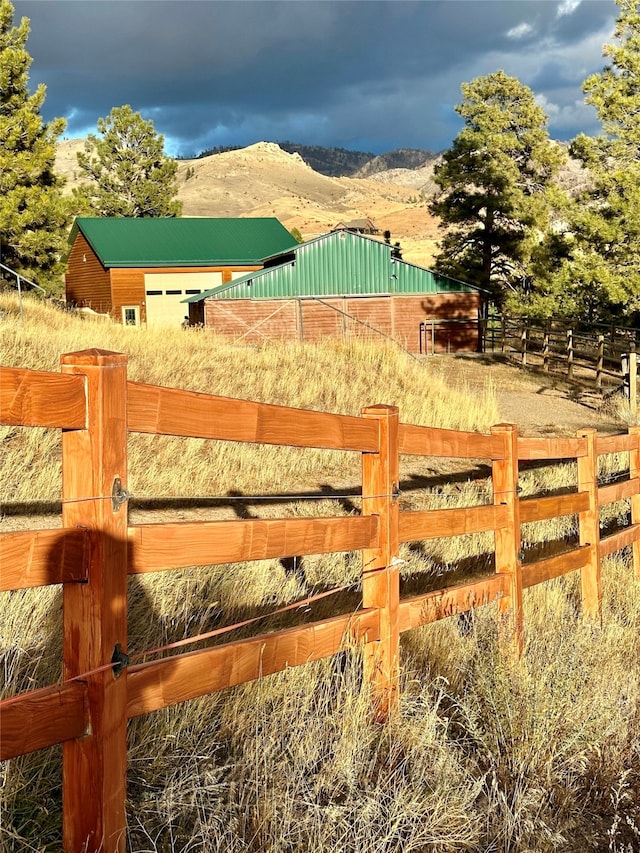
(361, 75)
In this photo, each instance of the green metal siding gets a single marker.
(339, 264)
(127, 242)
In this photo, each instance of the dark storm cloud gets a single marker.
(373, 75)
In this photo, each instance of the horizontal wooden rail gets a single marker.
(551, 448)
(30, 558)
(165, 682)
(95, 405)
(42, 718)
(436, 523)
(157, 547)
(614, 443)
(618, 491)
(540, 509)
(441, 603)
(619, 540)
(553, 567)
(42, 399)
(171, 411)
(432, 441)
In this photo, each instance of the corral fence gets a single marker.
(604, 355)
(96, 549)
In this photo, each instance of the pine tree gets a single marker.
(601, 280)
(129, 171)
(33, 213)
(495, 187)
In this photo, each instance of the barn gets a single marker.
(343, 284)
(140, 270)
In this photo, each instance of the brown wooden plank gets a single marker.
(551, 448)
(35, 720)
(613, 443)
(156, 547)
(432, 441)
(617, 541)
(553, 567)
(380, 564)
(39, 398)
(95, 613)
(436, 523)
(504, 474)
(589, 528)
(161, 683)
(539, 509)
(441, 603)
(618, 491)
(170, 411)
(634, 474)
(30, 558)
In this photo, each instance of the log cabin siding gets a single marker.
(87, 282)
(128, 285)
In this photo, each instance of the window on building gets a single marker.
(131, 315)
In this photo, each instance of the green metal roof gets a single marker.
(184, 242)
(337, 264)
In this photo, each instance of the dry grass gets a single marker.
(491, 753)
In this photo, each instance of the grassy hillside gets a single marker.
(490, 753)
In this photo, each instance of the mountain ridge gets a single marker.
(338, 162)
(264, 180)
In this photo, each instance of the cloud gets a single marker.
(520, 31)
(352, 73)
(567, 7)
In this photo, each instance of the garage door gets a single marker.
(164, 293)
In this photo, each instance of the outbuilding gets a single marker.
(140, 270)
(343, 284)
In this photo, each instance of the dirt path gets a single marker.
(539, 403)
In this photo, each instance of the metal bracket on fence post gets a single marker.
(119, 495)
(119, 659)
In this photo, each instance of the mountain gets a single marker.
(401, 158)
(334, 162)
(341, 163)
(265, 180)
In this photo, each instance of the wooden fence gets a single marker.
(605, 355)
(95, 405)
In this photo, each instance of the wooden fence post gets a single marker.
(634, 474)
(633, 378)
(507, 540)
(545, 351)
(570, 353)
(589, 525)
(600, 363)
(380, 575)
(523, 347)
(94, 466)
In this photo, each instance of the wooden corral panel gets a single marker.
(314, 319)
(369, 313)
(254, 321)
(320, 320)
(87, 282)
(448, 311)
